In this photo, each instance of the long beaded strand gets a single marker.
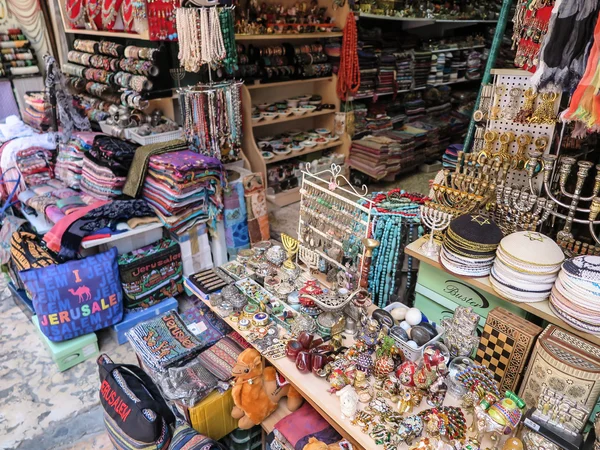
(348, 73)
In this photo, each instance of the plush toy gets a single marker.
(257, 390)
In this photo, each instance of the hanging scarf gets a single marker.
(584, 106)
(566, 45)
(68, 116)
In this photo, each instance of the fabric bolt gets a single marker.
(163, 342)
(107, 215)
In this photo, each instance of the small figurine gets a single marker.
(348, 402)
(437, 392)
(406, 372)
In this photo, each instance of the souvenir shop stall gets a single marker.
(134, 204)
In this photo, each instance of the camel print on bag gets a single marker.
(77, 297)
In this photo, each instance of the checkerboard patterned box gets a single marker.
(505, 345)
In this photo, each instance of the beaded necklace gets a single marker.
(348, 73)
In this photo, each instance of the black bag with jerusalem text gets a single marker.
(136, 415)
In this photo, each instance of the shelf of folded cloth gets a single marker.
(538, 309)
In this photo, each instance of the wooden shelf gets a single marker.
(285, 198)
(308, 151)
(118, 34)
(281, 412)
(444, 50)
(287, 83)
(539, 309)
(424, 19)
(291, 117)
(286, 37)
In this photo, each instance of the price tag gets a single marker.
(197, 328)
(531, 424)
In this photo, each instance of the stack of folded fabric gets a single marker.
(37, 112)
(360, 117)
(385, 76)
(526, 266)
(451, 156)
(402, 154)
(35, 165)
(575, 297)
(377, 119)
(105, 167)
(404, 70)
(415, 109)
(422, 67)
(470, 245)
(184, 188)
(53, 200)
(369, 155)
(69, 162)
(474, 66)
(367, 63)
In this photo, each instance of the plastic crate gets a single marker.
(413, 354)
(156, 138)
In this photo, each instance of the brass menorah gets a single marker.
(519, 209)
(291, 246)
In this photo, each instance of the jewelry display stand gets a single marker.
(347, 203)
(515, 78)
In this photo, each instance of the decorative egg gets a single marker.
(404, 324)
(412, 344)
(399, 314)
(413, 316)
(420, 335)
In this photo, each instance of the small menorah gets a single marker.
(436, 220)
(177, 74)
(291, 246)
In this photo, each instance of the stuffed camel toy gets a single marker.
(256, 392)
(315, 444)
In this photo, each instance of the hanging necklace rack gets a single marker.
(333, 222)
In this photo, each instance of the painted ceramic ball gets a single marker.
(406, 372)
(413, 317)
(399, 314)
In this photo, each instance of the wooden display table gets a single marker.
(315, 391)
(538, 309)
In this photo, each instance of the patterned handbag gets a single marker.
(151, 274)
(186, 438)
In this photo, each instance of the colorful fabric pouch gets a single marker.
(151, 274)
(77, 297)
(221, 357)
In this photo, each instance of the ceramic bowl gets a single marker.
(262, 106)
(316, 98)
(333, 137)
(285, 113)
(271, 108)
(281, 105)
(305, 97)
(292, 102)
(276, 142)
(313, 135)
(279, 147)
(286, 140)
(322, 131)
(268, 155)
(309, 108)
(321, 140)
(296, 147)
(257, 118)
(262, 144)
(309, 144)
(314, 102)
(270, 115)
(282, 151)
(299, 111)
(294, 132)
(302, 103)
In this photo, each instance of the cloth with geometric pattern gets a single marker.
(504, 347)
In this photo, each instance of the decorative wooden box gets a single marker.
(567, 363)
(505, 345)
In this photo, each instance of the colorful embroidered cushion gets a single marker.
(77, 297)
(151, 274)
(221, 357)
(205, 324)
